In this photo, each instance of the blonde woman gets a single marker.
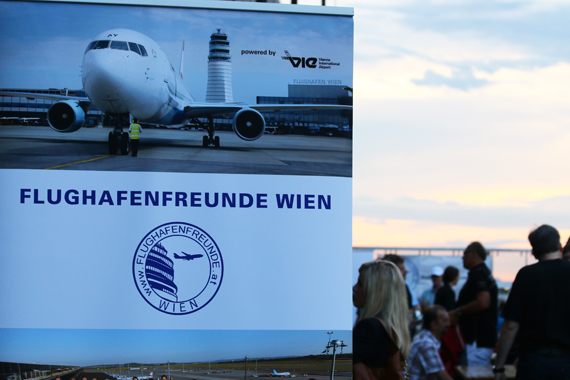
(381, 339)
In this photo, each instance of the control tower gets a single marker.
(219, 88)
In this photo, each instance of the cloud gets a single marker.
(482, 35)
(460, 79)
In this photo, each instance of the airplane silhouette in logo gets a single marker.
(187, 256)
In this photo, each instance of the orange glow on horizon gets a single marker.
(411, 233)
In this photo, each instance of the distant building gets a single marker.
(22, 107)
(321, 122)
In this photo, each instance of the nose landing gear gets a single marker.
(117, 138)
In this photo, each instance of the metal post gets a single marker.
(245, 374)
(334, 356)
(169, 370)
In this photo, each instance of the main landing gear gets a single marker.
(211, 139)
(118, 140)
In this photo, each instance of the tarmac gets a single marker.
(238, 375)
(226, 375)
(173, 150)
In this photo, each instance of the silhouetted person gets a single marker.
(566, 251)
(452, 346)
(381, 340)
(445, 296)
(428, 296)
(538, 309)
(477, 310)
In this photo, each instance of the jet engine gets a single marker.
(66, 116)
(248, 124)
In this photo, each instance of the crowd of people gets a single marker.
(462, 330)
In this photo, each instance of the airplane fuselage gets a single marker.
(124, 71)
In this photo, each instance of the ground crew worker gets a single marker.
(135, 130)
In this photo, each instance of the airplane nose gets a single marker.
(104, 72)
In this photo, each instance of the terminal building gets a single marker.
(14, 109)
(323, 122)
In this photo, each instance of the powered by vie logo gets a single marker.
(311, 62)
(178, 268)
(301, 61)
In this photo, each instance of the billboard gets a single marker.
(239, 243)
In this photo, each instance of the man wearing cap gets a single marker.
(538, 310)
(428, 296)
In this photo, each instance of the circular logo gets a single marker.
(178, 268)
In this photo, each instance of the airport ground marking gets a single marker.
(79, 162)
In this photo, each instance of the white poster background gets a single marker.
(70, 266)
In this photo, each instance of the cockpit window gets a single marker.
(90, 46)
(143, 51)
(134, 47)
(119, 45)
(101, 45)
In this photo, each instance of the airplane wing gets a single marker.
(207, 109)
(83, 101)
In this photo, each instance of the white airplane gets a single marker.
(281, 374)
(138, 377)
(126, 74)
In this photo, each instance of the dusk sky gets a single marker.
(461, 123)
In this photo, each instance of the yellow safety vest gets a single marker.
(135, 131)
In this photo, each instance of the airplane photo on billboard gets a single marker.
(126, 74)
